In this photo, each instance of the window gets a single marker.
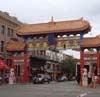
(3, 29)
(38, 52)
(2, 46)
(8, 32)
(11, 34)
(33, 53)
(41, 52)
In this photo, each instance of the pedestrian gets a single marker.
(78, 78)
(85, 77)
(93, 81)
(89, 77)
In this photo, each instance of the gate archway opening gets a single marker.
(44, 36)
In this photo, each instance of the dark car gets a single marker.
(41, 78)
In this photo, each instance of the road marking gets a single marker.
(82, 95)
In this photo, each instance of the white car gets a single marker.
(41, 78)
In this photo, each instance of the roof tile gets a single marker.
(91, 42)
(53, 27)
(15, 46)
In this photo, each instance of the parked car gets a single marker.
(41, 78)
(1, 80)
(62, 78)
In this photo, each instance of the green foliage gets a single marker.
(68, 66)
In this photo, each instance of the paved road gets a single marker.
(54, 89)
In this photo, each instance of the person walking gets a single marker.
(89, 78)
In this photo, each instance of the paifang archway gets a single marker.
(54, 35)
(91, 44)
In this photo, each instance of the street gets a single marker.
(54, 89)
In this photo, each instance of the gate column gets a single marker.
(98, 65)
(25, 77)
(81, 60)
(81, 65)
(12, 61)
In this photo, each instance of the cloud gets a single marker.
(35, 11)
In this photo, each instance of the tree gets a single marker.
(68, 67)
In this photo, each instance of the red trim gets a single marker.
(12, 61)
(81, 66)
(98, 66)
(25, 77)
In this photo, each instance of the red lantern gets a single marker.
(3, 66)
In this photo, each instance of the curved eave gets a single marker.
(14, 50)
(77, 31)
(15, 46)
(90, 42)
(91, 46)
(76, 26)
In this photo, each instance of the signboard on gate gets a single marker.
(90, 56)
(67, 43)
(60, 43)
(38, 45)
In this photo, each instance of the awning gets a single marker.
(3, 65)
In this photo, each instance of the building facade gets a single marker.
(8, 26)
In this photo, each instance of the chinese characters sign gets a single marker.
(60, 43)
(38, 45)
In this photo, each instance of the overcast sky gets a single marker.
(36, 11)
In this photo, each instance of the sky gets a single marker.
(39, 11)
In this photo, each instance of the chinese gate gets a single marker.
(54, 35)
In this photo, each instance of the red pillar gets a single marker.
(12, 61)
(25, 77)
(81, 66)
(98, 66)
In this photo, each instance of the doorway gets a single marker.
(18, 72)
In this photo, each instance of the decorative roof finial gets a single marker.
(52, 19)
(81, 18)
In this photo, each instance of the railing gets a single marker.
(46, 57)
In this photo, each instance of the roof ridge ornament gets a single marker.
(81, 18)
(52, 20)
